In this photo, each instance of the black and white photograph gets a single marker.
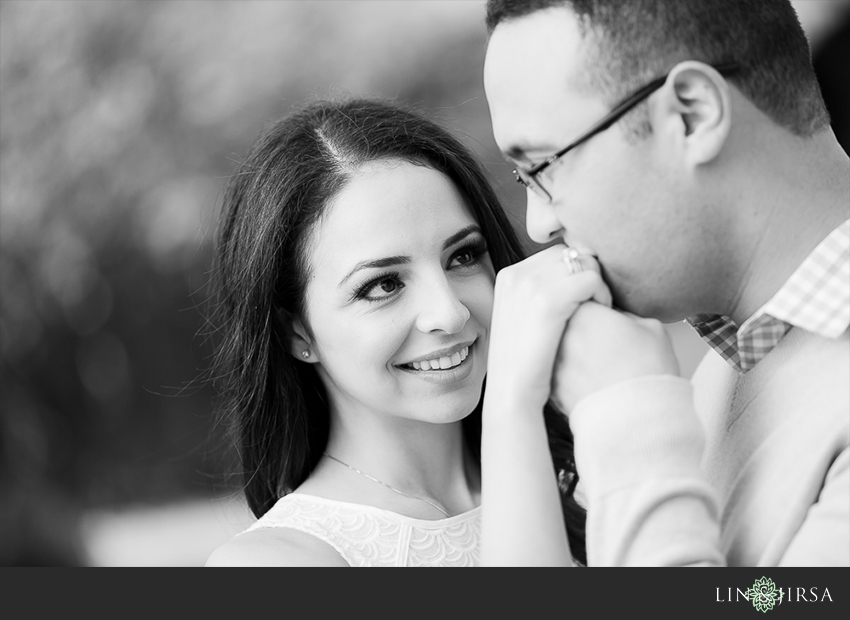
(427, 283)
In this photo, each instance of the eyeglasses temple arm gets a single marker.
(615, 114)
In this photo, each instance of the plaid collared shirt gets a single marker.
(816, 298)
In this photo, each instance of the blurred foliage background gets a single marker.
(120, 122)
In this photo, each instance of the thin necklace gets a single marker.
(393, 489)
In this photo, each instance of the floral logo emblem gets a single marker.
(764, 594)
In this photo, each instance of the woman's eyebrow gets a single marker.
(462, 233)
(377, 263)
(390, 261)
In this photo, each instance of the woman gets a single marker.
(355, 269)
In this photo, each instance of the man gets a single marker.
(717, 194)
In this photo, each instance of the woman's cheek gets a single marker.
(483, 300)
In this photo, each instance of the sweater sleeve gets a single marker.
(638, 450)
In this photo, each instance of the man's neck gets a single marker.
(783, 220)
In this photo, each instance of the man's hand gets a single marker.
(601, 347)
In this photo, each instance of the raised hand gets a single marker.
(534, 299)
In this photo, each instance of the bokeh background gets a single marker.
(120, 122)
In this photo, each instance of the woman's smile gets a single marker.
(442, 367)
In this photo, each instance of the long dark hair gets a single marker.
(275, 406)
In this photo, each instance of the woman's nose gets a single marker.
(541, 220)
(442, 309)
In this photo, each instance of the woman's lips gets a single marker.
(454, 372)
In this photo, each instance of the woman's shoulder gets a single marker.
(281, 546)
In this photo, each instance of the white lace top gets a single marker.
(369, 536)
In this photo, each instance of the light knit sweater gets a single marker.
(727, 469)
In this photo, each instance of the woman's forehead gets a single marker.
(389, 207)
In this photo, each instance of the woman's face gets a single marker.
(399, 296)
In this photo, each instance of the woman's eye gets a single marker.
(382, 287)
(465, 257)
(470, 255)
(388, 286)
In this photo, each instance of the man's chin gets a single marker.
(645, 307)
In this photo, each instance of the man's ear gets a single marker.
(695, 104)
(300, 342)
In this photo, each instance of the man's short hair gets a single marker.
(635, 41)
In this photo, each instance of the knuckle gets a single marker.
(505, 279)
(655, 326)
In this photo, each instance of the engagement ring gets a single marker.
(571, 259)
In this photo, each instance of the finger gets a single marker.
(581, 287)
(572, 259)
(603, 294)
(639, 319)
(581, 263)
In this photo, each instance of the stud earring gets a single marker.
(305, 353)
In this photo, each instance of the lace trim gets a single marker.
(369, 536)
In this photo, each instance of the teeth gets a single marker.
(442, 363)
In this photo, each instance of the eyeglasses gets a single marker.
(529, 177)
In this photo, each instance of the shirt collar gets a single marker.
(816, 298)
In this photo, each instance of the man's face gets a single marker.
(614, 199)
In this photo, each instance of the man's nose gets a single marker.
(541, 221)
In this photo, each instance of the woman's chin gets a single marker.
(455, 408)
